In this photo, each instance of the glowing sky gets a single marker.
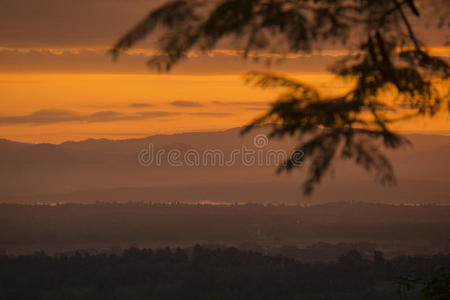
(57, 83)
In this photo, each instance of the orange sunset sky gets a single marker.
(58, 83)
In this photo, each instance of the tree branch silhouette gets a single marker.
(388, 57)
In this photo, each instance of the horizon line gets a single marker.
(445, 133)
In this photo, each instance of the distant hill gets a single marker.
(108, 170)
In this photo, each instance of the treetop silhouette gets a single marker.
(385, 57)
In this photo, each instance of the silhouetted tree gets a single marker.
(386, 57)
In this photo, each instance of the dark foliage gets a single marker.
(385, 56)
(202, 273)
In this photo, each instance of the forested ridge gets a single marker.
(227, 273)
(395, 230)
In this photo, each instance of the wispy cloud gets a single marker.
(255, 108)
(58, 51)
(247, 103)
(54, 116)
(211, 114)
(140, 105)
(185, 104)
(51, 116)
(112, 106)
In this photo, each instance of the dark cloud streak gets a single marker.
(49, 116)
(54, 116)
(140, 105)
(231, 103)
(185, 104)
(211, 114)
